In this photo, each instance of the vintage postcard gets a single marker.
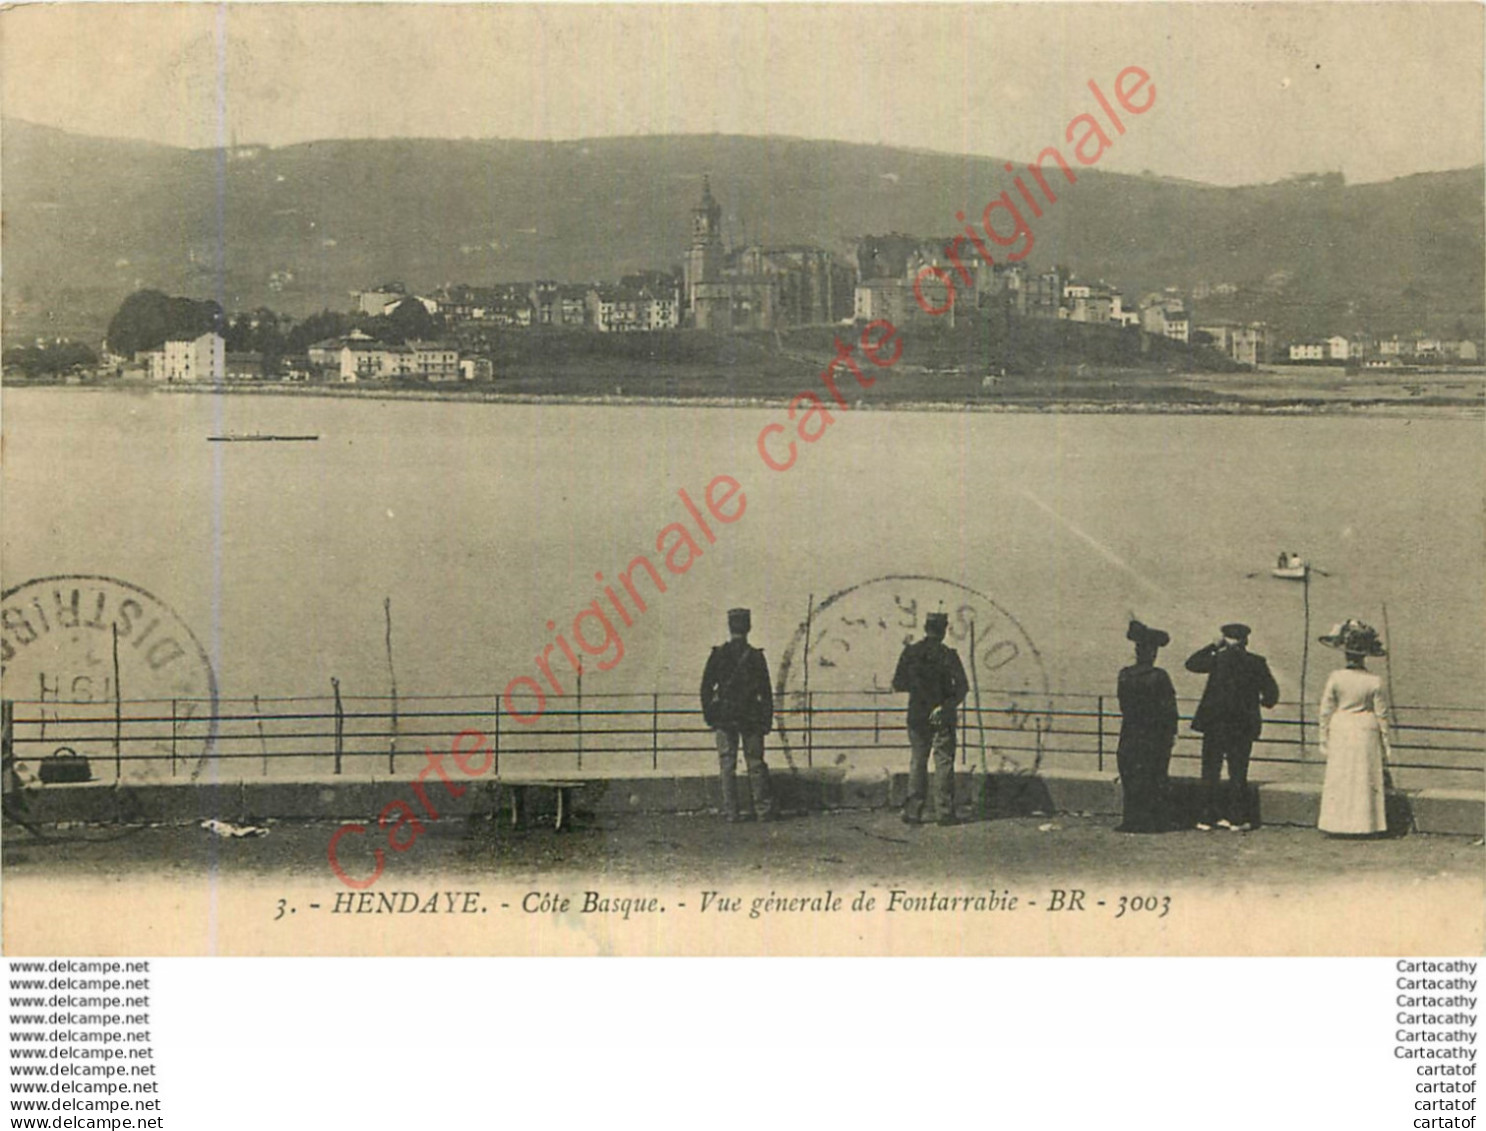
(743, 479)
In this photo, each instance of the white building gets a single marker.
(1166, 317)
(622, 309)
(1308, 351)
(1338, 348)
(663, 312)
(1085, 302)
(365, 360)
(326, 354)
(1250, 344)
(616, 310)
(378, 299)
(435, 361)
(381, 300)
(890, 300)
(476, 369)
(1119, 315)
(1247, 344)
(200, 358)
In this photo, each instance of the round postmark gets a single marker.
(837, 673)
(109, 671)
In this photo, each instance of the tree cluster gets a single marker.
(408, 321)
(50, 360)
(147, 318)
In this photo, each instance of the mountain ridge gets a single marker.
(26, 123)
(296, 227)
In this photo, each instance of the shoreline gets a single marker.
(1461, 408)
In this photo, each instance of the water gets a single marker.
(482, 522)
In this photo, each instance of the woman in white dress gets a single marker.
(1354, 736)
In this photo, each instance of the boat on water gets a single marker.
(1291, 567)
(258, 437)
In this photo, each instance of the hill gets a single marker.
(87, 220)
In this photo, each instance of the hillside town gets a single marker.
(393, 333)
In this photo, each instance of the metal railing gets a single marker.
(326, 736)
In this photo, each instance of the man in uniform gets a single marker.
(1238, 684)
(932, 675)
(738, 704)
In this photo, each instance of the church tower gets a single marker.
(704, 256)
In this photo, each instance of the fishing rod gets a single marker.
(1293, 567)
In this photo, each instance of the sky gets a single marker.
(1245, 93)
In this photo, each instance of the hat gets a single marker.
(1143, 634)
(936, 622)
(740, 620)
(1235, 631)
(1354, 636)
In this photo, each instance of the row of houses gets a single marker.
(356, 357)
(905, 279)
(647, 301)
(1166, 315)
(901, 278)
(1245, 342)
(752, 287)
(384, 297)
(629, 307)
(1383, 352)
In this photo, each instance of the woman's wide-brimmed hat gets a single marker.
(1355, 637)
(1144, 634)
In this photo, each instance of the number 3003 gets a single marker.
(1160, 904)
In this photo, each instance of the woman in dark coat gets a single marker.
(1148, 722)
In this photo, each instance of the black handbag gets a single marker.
(65, 765)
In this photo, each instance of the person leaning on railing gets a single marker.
(931, 673)
(1239, 683)
(738, 704)
(1354, 737)
(1148, 720)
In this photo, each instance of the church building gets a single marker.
(755, 287)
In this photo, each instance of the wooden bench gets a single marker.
(563, 787)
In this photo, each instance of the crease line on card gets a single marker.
(218, 457)
(1094, 544)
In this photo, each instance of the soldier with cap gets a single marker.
(931, 673)
(738, 704)
(1238, 684)
(1147, 731)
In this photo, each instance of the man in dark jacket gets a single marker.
(1148, 721)
(1238, 684)
(931, 673)
(738, 704)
